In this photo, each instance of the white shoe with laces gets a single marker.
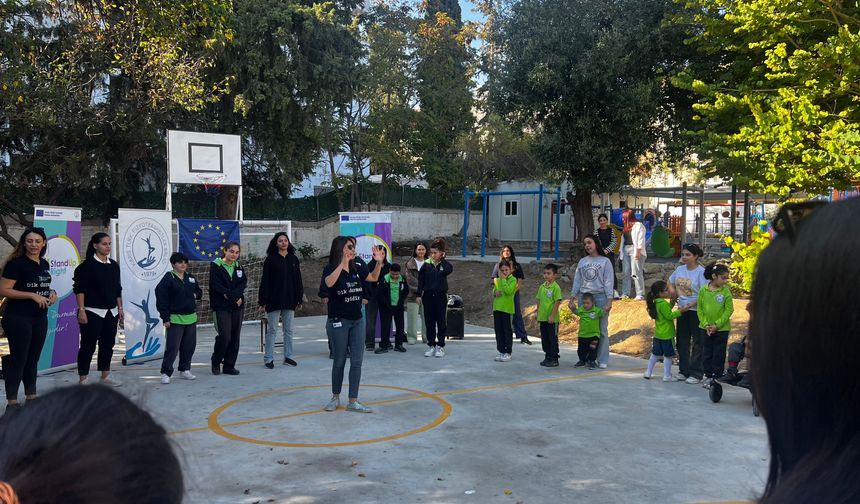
(440, 352)
(187, 375)
(692, 380)
(602, 365)
(668, 379)
(165, 380)
(498, 358)
(506, 357)
(431, 352)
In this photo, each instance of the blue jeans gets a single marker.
(272, 317)
(349, 336)
(603, 351)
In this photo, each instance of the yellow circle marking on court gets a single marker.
(219, 429)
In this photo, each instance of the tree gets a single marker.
(493, 151)
(593, 93)
(778, 88)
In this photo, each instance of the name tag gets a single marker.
(337, 324)
(192, 280)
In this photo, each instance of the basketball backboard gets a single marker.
(204, 158)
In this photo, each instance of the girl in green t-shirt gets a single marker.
(715, 309)
(660, 309)
(504, 289)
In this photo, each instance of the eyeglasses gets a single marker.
(350, 247)
(790, 214)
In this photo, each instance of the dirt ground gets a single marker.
(630, 328)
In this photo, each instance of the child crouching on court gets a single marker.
(504, 289)
(549, 301)
(660, 310)
(589, 331)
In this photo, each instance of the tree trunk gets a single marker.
(582, 215)
(228, 201)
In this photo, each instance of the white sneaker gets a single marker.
(431, 352)
(498, 358)
(692, 380)
(440, 352)
(639, 298)
(602, 365)
(506, 357)
(165, 380)
(646, 375)
(187, 375)
(668, 379)
(616, 295)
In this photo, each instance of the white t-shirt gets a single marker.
(687, 283)
(418, 264)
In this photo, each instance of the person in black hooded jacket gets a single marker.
(227, 282)
(280, 295)
(176, 297)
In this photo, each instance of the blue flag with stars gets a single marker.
(203, 239)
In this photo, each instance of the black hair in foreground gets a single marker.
(716, 269)
(272, 249)
(394, 267)
(551, 267)
(803, 330)
(651, 298)
(90, 445)
(178, 257)
(94, 240)
(694, 249)
(21, 248)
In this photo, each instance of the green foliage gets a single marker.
(308, 251)
(565, 316)
(745, 256)
(493, 151)
(779, 92)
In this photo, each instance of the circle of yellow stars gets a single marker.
(223, 240)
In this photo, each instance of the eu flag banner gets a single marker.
(203, 239)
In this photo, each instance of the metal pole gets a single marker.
(684, 213)
(733, 226)
(557, 218)
(465, 219)
(168, 201)
(746, 223)
(539, 220)
(484, 227)
(702, 218)
(240, 210)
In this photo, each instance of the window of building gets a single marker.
(510, 208)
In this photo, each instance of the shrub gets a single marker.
(308, 251)
(745, 256)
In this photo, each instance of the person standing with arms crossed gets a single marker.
(433, 293)
(227, 282)
(176, 297)
(415, 311)
(608, 242)
(519, 325)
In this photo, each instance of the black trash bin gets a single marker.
(455, 318)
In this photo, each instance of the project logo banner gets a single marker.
(369, 229)
(144, 252)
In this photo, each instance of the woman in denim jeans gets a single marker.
(344, 281)
(594, 275)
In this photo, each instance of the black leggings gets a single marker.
(228, 325)
(97, 330)
(26, 336)
(435, 305)
(502, 323)
(689, 339)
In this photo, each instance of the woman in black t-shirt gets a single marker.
(26, 282)
(344, 284)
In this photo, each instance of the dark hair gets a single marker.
(589, 296)
(602, 216)
(88, 444)
(513, 259)
(94, 240)
(426, 250)
(505, 262)
(438, 244)
(21, 249)
(335, 253)
(716, 269)
(394, 267)
(596, 241)
(693, 249)
(651, 298)
(178, 257)
(552, 267)
(272, 249)
(227, 247)
(811, 411)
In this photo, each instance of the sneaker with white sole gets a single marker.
(440, 352)
(165, 380)
(602, 365)
(110, 382)
(431, 352)
(332, 404)
(646, 375)
(668, 379)
(186, 375)
(706, 383)
(505, 358)
(692, 380)
(357, 407)
(498, 358)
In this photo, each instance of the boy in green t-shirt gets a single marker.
(504, 289)
(589, 331)
(549, 300)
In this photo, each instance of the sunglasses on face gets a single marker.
(350, 247)
(790, 215)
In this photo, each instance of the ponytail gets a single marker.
(715, 269)
(651, 298)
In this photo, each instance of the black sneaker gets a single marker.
(552, 363)
(381, 350)
(525, 341)
(231, 371)
(290, 362)
(580, 364)
(270, 365)
(216, 369)
(543, 363)
(399, 348)
(592, 365)
(369, 348)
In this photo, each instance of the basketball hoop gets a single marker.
(211, 184)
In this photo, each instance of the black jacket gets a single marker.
(99, 283)
(434, 277)
(383, 294)
(281, 285)
(224, 291)
(177, 297)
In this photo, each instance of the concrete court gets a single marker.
(484, 429)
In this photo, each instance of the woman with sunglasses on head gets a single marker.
(519, 325)
(26, 282)
(99, 294)
(684, 286)
(344, 283)
(804, 327)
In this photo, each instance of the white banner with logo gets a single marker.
(143, 251)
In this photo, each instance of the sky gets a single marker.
(306, 188)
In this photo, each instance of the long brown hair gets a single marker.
(628, 217)
(21, 249)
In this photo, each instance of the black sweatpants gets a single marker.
(587, 349)
(504, 331)
(714, 353)
(371, 309)
(228, 325)
(435, 306)
(385, 315)
(101, 331)
(689, 343)
(182, 339)
(26, 336)
(549, 340)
